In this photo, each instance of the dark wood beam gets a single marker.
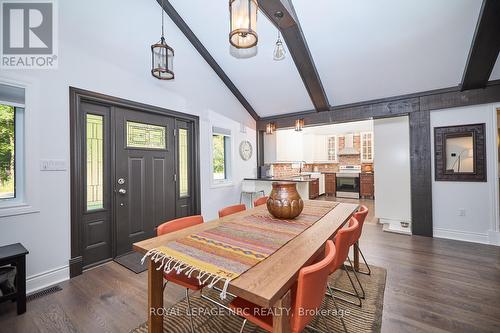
(485, 47)
(289, 27)
(182, 25)
(421, 173)
(391, 106)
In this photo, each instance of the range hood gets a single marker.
(349, 145)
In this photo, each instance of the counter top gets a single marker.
(283, 179)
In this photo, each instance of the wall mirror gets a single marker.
(460, 153)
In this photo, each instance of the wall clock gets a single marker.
(246, 150)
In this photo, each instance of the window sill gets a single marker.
(222, 184)
(17, 209)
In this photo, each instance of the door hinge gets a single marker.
(175, 177)
(175, 133)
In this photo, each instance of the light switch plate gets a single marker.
(53, 165)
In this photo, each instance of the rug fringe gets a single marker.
(170, 264)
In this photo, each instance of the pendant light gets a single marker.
(279, 50)
(162, 56)
(299, 124)
(243, 21)
(270, 128)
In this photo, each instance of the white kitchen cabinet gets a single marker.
(320, 148)
(289, 146)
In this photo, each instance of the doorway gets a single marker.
(133, 167)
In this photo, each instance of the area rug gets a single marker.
(210, 319)
(132, 261)
(239, 243)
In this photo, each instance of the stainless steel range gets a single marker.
(347, 180)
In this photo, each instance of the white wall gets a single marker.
(392, 171)
(108, 51)
(479, 200)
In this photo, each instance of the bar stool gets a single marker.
(248, 188)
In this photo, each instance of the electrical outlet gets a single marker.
(53, 165)
(461, 212)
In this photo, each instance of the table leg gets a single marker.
(21, 285)
(356, 256)
(155, 298)
(282, 314)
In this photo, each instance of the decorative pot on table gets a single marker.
(284, 201)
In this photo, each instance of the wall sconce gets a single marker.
(299, 124)
(270, 128)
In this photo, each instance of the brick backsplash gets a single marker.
(286, 170)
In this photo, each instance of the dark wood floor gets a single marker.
(433, 285)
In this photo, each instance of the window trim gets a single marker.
(27, 198)
(362, 145)
(228, 181)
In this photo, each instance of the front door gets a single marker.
(145, 173)
(134, 167)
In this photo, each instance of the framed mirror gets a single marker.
(460, 153)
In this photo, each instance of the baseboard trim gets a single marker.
(494, 237)
(473, 237)
(47, 279)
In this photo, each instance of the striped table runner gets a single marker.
(236, 245)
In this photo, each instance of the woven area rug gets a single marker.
(236, 245)
(209, 319)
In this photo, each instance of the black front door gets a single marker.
(145, 172)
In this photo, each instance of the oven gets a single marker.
(347, 182)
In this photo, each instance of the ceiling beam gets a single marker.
(289, 27)
(390, 107)
(485, 47)
(182, 25)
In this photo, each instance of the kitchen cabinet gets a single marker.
(289, 146)
(314, 188)
(366, 147)
(367, 188)
(330, 184)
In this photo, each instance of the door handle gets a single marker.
(122, 191)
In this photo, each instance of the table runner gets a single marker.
(237, 244)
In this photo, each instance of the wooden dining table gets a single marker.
(266, 284)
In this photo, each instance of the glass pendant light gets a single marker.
(299, 124)
(270, 128)
(162, 57)
(243, 20)
(279, 50)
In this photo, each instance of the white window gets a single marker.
(221, 156)
(11, 145)
(367, 147)
(332, 148)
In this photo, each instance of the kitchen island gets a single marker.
(305, 184)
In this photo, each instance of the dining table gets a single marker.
(266, 284)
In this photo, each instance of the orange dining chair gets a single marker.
(343, 241)
(360, 215)
(190, 283)
(307, 294)
(231, 210)
(260, 201)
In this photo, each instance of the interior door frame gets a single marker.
(77, 186)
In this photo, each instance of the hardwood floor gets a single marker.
(433, 285)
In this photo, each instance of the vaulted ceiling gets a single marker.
(362, 49)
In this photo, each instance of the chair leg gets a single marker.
(357, 279)
(356, 293)
(337, 307)
(367, 266)
(215, 302)
(190, 313)
(243, 326)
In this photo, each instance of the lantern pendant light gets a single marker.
(162, 56)
(279, 51)
(299, 124)
(243, 20)
(270, 128)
